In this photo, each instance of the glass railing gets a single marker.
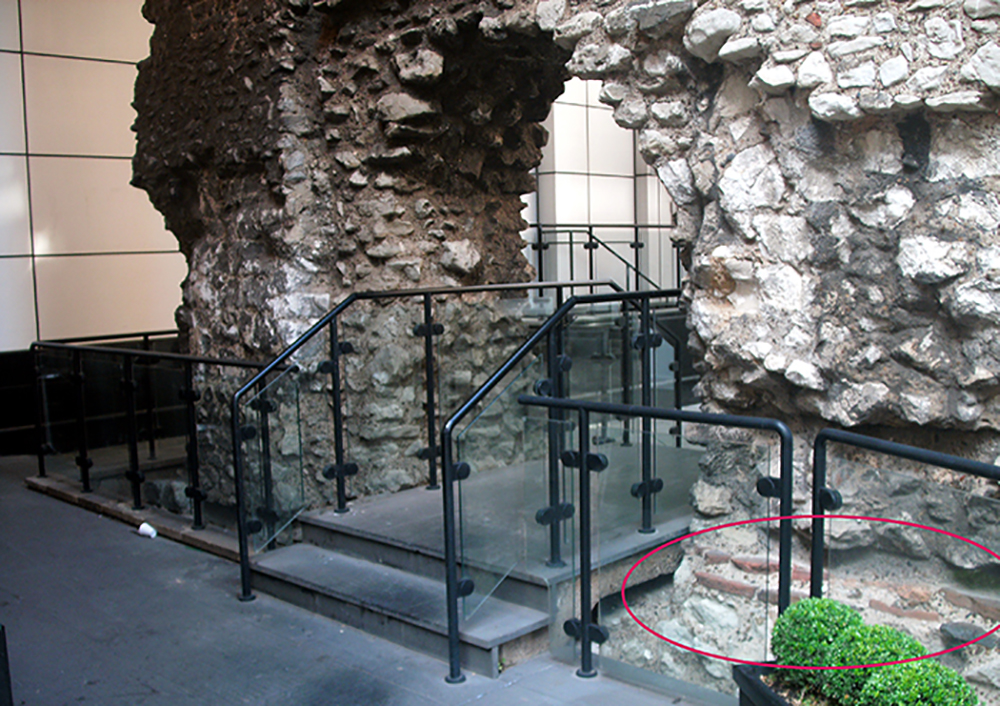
(505, 451)
(902, 550)
(133, 424)
(271, 430)
(384, 370)
(723, 601)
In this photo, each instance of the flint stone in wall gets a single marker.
(848, 26)
(460, 256)
(931, 261)
(740, 49)
(711, 500)
(593, 60)
(632, 114)
(548, 13)
(959, 101)
(751, 180)
(893, 71)
(677, 178)
(834, 107)
(859, 77)
(985, 66)
(657, 18)
(981, 9)
(422, 67)
(774, 79)
(814, 71)
(854, 46)
(402, 107)
(708, 32)
(576, 28)
(670, 113)
(944, 39)
(885, 210)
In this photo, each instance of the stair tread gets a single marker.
(383, 589)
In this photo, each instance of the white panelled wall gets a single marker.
(81, 251)
(591, 173)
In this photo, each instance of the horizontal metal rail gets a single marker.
(824, 498)
(140, 353)
(145, 335)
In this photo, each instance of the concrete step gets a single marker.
(337, 533)
(400, 606)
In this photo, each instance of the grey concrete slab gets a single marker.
(97, 614)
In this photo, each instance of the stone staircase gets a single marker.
(359, 568)
(380, 567)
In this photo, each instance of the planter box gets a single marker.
(754, 692)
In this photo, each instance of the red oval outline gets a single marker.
(799, 517)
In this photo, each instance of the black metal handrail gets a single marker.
(341, 468)
(633, 271)
(782, 487)
(546, 331)
(142, 336)
(825, 498)
(127, 358)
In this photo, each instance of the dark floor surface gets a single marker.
(97, 614)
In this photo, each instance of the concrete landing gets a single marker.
(97, 614)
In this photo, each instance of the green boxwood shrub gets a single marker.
(864, 644)
(803, 634)
(923, 683)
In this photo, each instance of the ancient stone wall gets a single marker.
(835, 165)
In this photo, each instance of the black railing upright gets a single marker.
(825, 498)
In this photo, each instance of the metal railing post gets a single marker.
(586, 654)
(340, 468)
(646, 348)
(40, 411)
(455, 675)
(134, 475)
(150, 400)
(555, 421)
(428, 330)
(190, 396)
(83, 460)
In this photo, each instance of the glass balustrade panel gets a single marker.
(506, 448)
(903, 552)
(715, 592)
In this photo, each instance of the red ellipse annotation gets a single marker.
(800, 517)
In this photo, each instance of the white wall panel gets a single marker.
(569, 138)
(17, 324)
(15, 234)
(79, 107)
(9, 31)
(79, 296)
(610, 145)
(11, 105)
(87, 205)
(612, 199)
(99, 29)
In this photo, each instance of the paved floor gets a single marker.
(97, 614)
